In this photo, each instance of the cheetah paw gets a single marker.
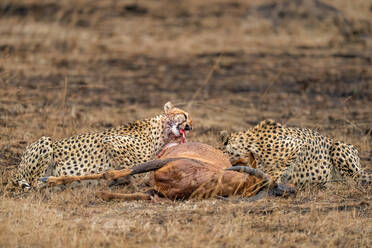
(24, 185)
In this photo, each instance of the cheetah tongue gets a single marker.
(183, 136)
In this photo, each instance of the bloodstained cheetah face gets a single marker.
(177, 123)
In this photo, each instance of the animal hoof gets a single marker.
(282, 190)
(43, 179)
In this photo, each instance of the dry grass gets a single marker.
(77, 219)
(69, 67)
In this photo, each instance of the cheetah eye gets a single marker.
(226, 142)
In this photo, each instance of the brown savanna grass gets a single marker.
(69, 67)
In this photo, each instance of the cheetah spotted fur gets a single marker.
(299, 156)
(92, 153)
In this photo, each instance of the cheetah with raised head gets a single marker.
(92, 153)
(299, 156)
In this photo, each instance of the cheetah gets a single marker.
(298, 156)
(91, 153)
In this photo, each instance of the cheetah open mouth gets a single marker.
(179, 132)
(183, 132)
(183, 136)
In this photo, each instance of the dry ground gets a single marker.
(68, 67)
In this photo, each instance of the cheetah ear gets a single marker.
(168, 106)
(224, 137)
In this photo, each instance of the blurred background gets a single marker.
(69, 67)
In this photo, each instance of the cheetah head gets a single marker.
(233, 146)
(177, 123)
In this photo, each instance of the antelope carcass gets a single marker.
(189, 170)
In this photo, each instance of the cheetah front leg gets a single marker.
(250, 161)
(284, 169)
(124, 151)
(36, 161)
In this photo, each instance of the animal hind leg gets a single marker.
(107, 196)
(109, 175)
(150, 194)
(36, 161)
(346, 159)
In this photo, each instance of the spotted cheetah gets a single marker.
(299, 156)
(92, 153)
